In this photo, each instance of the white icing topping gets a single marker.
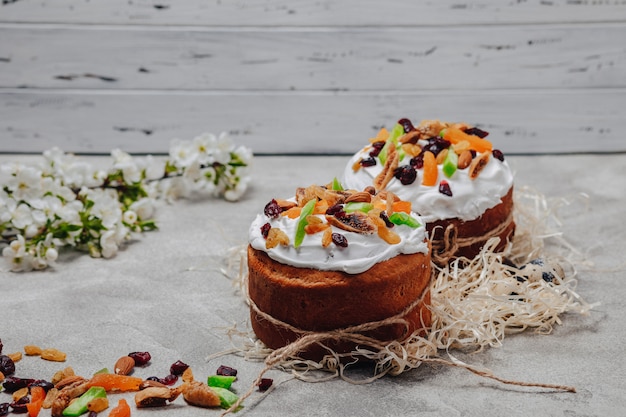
(470, 198)
(363, 251)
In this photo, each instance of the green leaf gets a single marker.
(306, 211)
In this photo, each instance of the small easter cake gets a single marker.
(456, 181)
(330, 259)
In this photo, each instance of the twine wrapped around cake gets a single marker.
(474, 303)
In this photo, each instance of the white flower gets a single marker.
(223, 148)
(21, 216)
(183, 153)
(108, 244)
(125, 163)
(52, 254)
(26, 183)
(144, 208)
(129, 217)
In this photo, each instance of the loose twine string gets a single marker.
(446, 247)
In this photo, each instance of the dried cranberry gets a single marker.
(436, 145)
(154, 378)
(406, 124)
(226, 371)
(368, 162)
(385, 218)
(12, 384)
(406, 174)
(497, 153)
(19, 406)
(333, 210)
(339, 240)
(376, 148)
(473, 152)
(169, 379)
(272, 209)
(47, 386)
(418, 161)
(178, 367)
(265, 230)
(7, 366)
(444, 188)
(474, 131)
(4, 409)
(265, 384)
(141, 358)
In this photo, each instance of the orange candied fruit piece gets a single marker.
(292, 213)
(454, 136)
(404, 206)
(114, 382)
(37, 395)
(122, 409)
(320, 207)
(430, 169)
(381, 136)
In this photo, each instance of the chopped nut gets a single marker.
(54, 355)
(465, 159)
(124, 365)
(69, 380)
(32, 350)
(478, 164)
(359, 197)
(61, 401)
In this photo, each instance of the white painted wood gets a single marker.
(311, 13)
(96, 121)
(561, 56)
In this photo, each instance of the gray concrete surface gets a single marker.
(163, 293)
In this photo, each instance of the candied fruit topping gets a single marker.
(178, 368)
(226, 371)
(265, 229)
(368, 162)
(272, 209)
(444, 188)
(497, 153)
(340, 240)
(140, 358)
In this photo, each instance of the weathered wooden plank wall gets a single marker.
(309, 77)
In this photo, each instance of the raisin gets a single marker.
(47, 386)
(385, 218)
(265, 384)
(436, 145)
(376, 148)
(265, 229)
(4, 409)
(178, 368)
(19, 406)
(444, 188)
(368, 162)
(141, 358)
(272, 209)
(12, 384)
(1, 346)
(333, 210)
(169, 379)
(474, 131)
(406, 124)
(7, 366)
(340, 240)
(226, 371)
(418, 161)
(406, 174)
(497, 153)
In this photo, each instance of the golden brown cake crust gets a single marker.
(490, 220)
(315, 300)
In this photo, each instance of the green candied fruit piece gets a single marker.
(307, 210)
(392, 140)
(357, 206)
(220, 381)
(337, 185)
(79, 405)
(400, 217)
(450, 163)
(227, 398)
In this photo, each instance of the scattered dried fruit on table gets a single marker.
(32, 350)
(7, 366)
(98, 404)
(37, 396)
(265, 384)
(79, 405)
(20, 393)
(141, 358)
(113, 382)
(221, 381)
(15, 356)
(156, 396)
(62, 374)
(54, 355)
(199, 394)
(178, 367)
(122, 409)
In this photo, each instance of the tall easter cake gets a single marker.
(454, 178)
(330, 259)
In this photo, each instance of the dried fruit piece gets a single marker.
(222, 381)
(444, 188)
(450, 164)
(187, 375)
(327, 237)
(497, 153)
(98, 405)
(387, 173)
(124, 365)
(79, 405)
(178, 367)
(430, 169)
(302, 222)
(140, 358)
(122, 409)
(226, 370)
(156, 396)
(227, 398)
(454, 135)
(20, 393)
(265, 384)
(465, 159)
(113, 382)
(32, 350)
(62, 374)
(339, 240)
(15, 356)
(272, 209)
(357, 222)
(292, 213)
(402, 218)
(51, 395)
(383, 232)
(276, 237)
(54, 355)
(336, 185)
(461, 147)
(477, 165)
(312, 228)
(441, 156)
(198, 394)
(403, 206)
(37, 395)
(7, 366)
